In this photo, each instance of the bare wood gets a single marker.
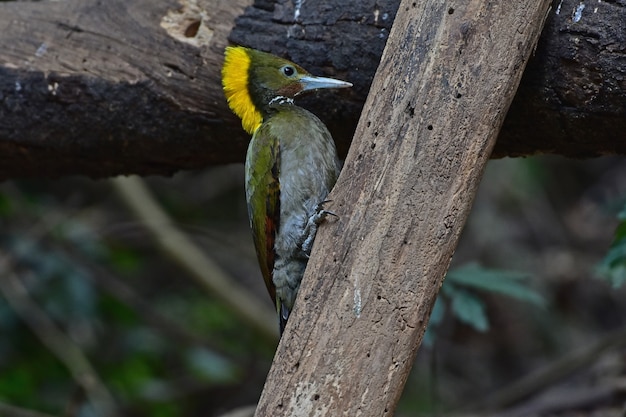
(402, 199)
(102, 88)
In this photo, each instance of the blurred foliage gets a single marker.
(68, 241)
(459, 294)
(537, 230)
(170, 349)
(613, 266)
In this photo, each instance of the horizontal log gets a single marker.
(120, 87)
(116, 87)
(570, 102)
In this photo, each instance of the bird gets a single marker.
(291, 164)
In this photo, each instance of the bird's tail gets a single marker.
(283, 315)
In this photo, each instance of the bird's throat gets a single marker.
(235, 78)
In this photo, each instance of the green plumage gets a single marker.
(291, 166)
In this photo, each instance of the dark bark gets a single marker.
(101, 88)
(571, 100)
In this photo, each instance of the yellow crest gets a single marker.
(235, 83)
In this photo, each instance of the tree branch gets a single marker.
(402, 198)
(133, 86)
(98, 88)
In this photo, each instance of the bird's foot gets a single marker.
(310, 230)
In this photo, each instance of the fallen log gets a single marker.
(119, 87)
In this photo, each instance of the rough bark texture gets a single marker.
(447, 77)
(106, 87)
(571, 100)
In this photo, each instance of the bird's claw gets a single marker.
(321, 212)
(310, 230)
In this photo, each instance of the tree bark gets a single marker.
(570, 102)
(402, 198)
(118, 87)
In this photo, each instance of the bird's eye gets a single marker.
(288, 70)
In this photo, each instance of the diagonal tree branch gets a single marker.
(402, 198)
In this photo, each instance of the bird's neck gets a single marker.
(280, 101)
(275, 105)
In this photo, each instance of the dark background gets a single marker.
(176, 350)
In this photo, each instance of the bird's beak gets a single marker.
(309, 82)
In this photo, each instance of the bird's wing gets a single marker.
(263, 197)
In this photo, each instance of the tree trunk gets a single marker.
(107, 87)
(446, 79)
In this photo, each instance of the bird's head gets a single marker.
(252, 79)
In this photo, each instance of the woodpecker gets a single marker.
(291, 164)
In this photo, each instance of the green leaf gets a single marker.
(469, 309)
(613, 267)
(495, 281)
(620, 233)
